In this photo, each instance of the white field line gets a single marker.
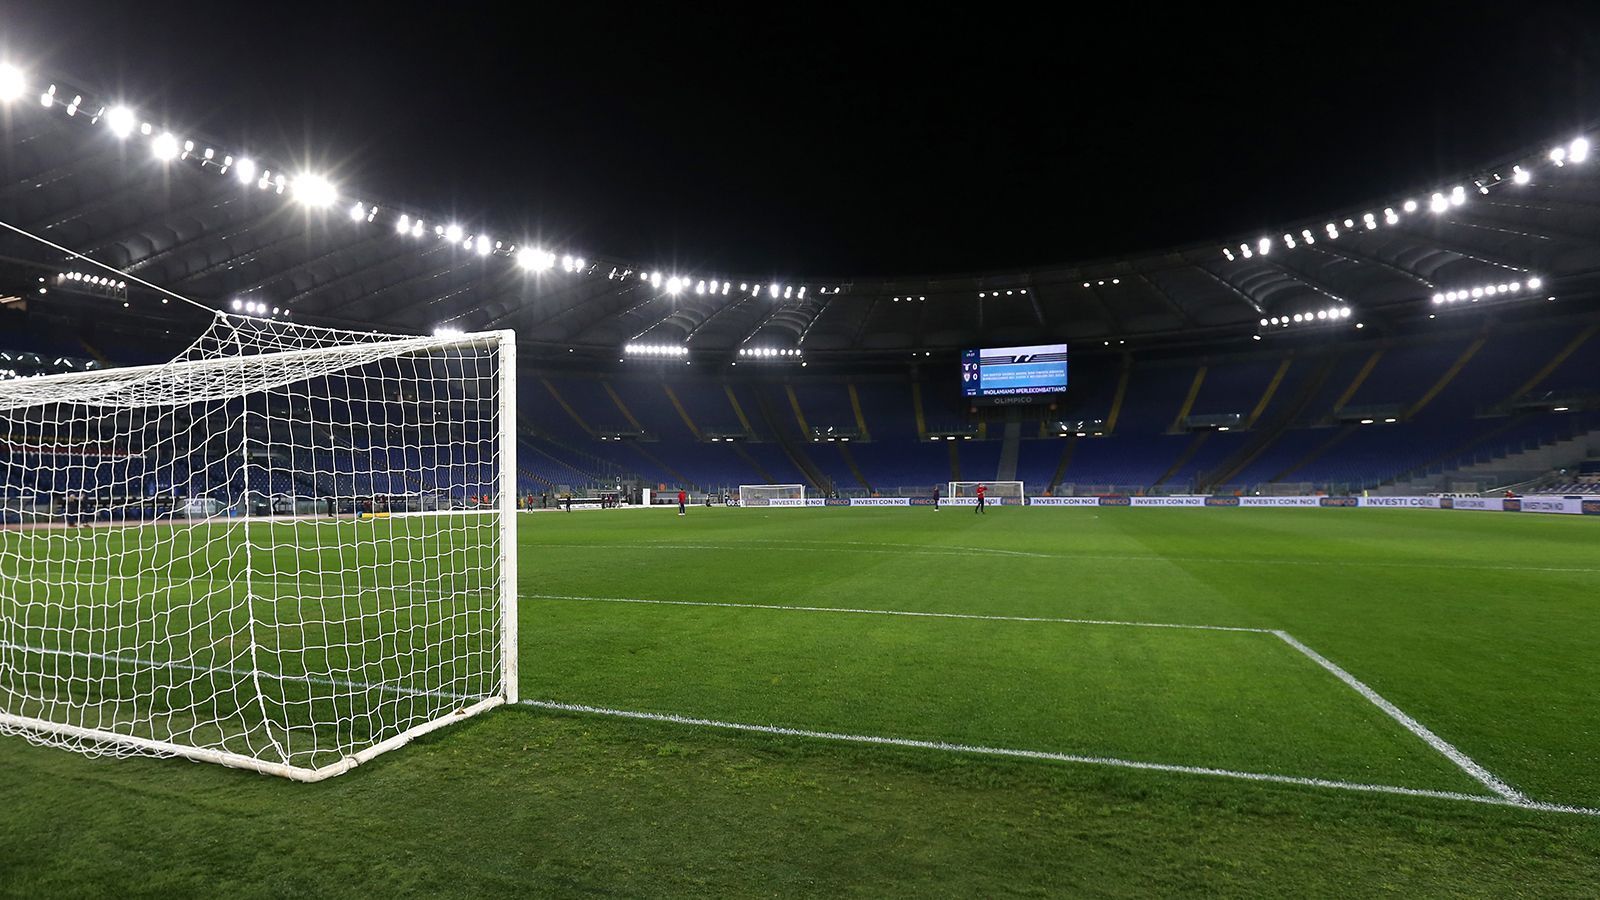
(944, 746)
(947, 747)
(892, 551)
(935, 550)
(1444, 747)
(895, 612)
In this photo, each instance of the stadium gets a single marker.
(352, 546)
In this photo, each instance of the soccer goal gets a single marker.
(764, 494)
(1009, 492)
(212, 564)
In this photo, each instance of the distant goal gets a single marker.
(764, 494)
(1010, 492)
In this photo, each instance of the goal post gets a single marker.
(1007, 491)
(764, 494)
(214, 565)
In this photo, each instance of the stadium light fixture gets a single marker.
(245, 169)
(314, 191)
(12, 83)
(1520, 175)
(452, 233)
(358, 212)
(1578, 150)
(1437, 203)
(483, 246)
(165, 146)
(121, 121)
(1558, 155)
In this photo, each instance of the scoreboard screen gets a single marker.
(1014, 371)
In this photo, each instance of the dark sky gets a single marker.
(817, 141)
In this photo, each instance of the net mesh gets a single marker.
(284, 546)
(764, 494)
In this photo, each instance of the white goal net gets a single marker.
(1009, 492)
(290, 549)
(764, 494)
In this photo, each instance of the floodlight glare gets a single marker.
(1520, 175)
(452, 233)
(1578, 150)
(358, 212)
(165, 146)
(12, 84)
(483, 245)
(1437, 203)
(120, 120)
(314, 191)
(1534, 284)
(245, 169)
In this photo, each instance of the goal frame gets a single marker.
(953, 490)
(743, 504)
(506, 450)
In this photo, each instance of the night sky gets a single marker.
(817, 142)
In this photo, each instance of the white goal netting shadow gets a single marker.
(289, 549)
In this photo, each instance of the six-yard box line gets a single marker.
(1500, 793)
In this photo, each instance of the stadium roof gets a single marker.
(170, 209)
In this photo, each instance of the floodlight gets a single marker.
(1437, 203)
(358, 212)
(245, 169)
(1409, 206)
(165, 146)
(773, 290)
(1520, 175)
(483, 245)
(314, 191)
(1457, 196)
(452, 233)
(120, 120)
(1558, 155)
(1534, 284)
(12, 83)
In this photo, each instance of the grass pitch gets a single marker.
(1482, 627)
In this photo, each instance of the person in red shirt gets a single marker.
(979, 508)
(682, 497)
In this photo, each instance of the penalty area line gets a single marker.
(1045, 755)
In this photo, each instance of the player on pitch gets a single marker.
(682, 498)
(979, 508)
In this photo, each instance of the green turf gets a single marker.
(1483, 627)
